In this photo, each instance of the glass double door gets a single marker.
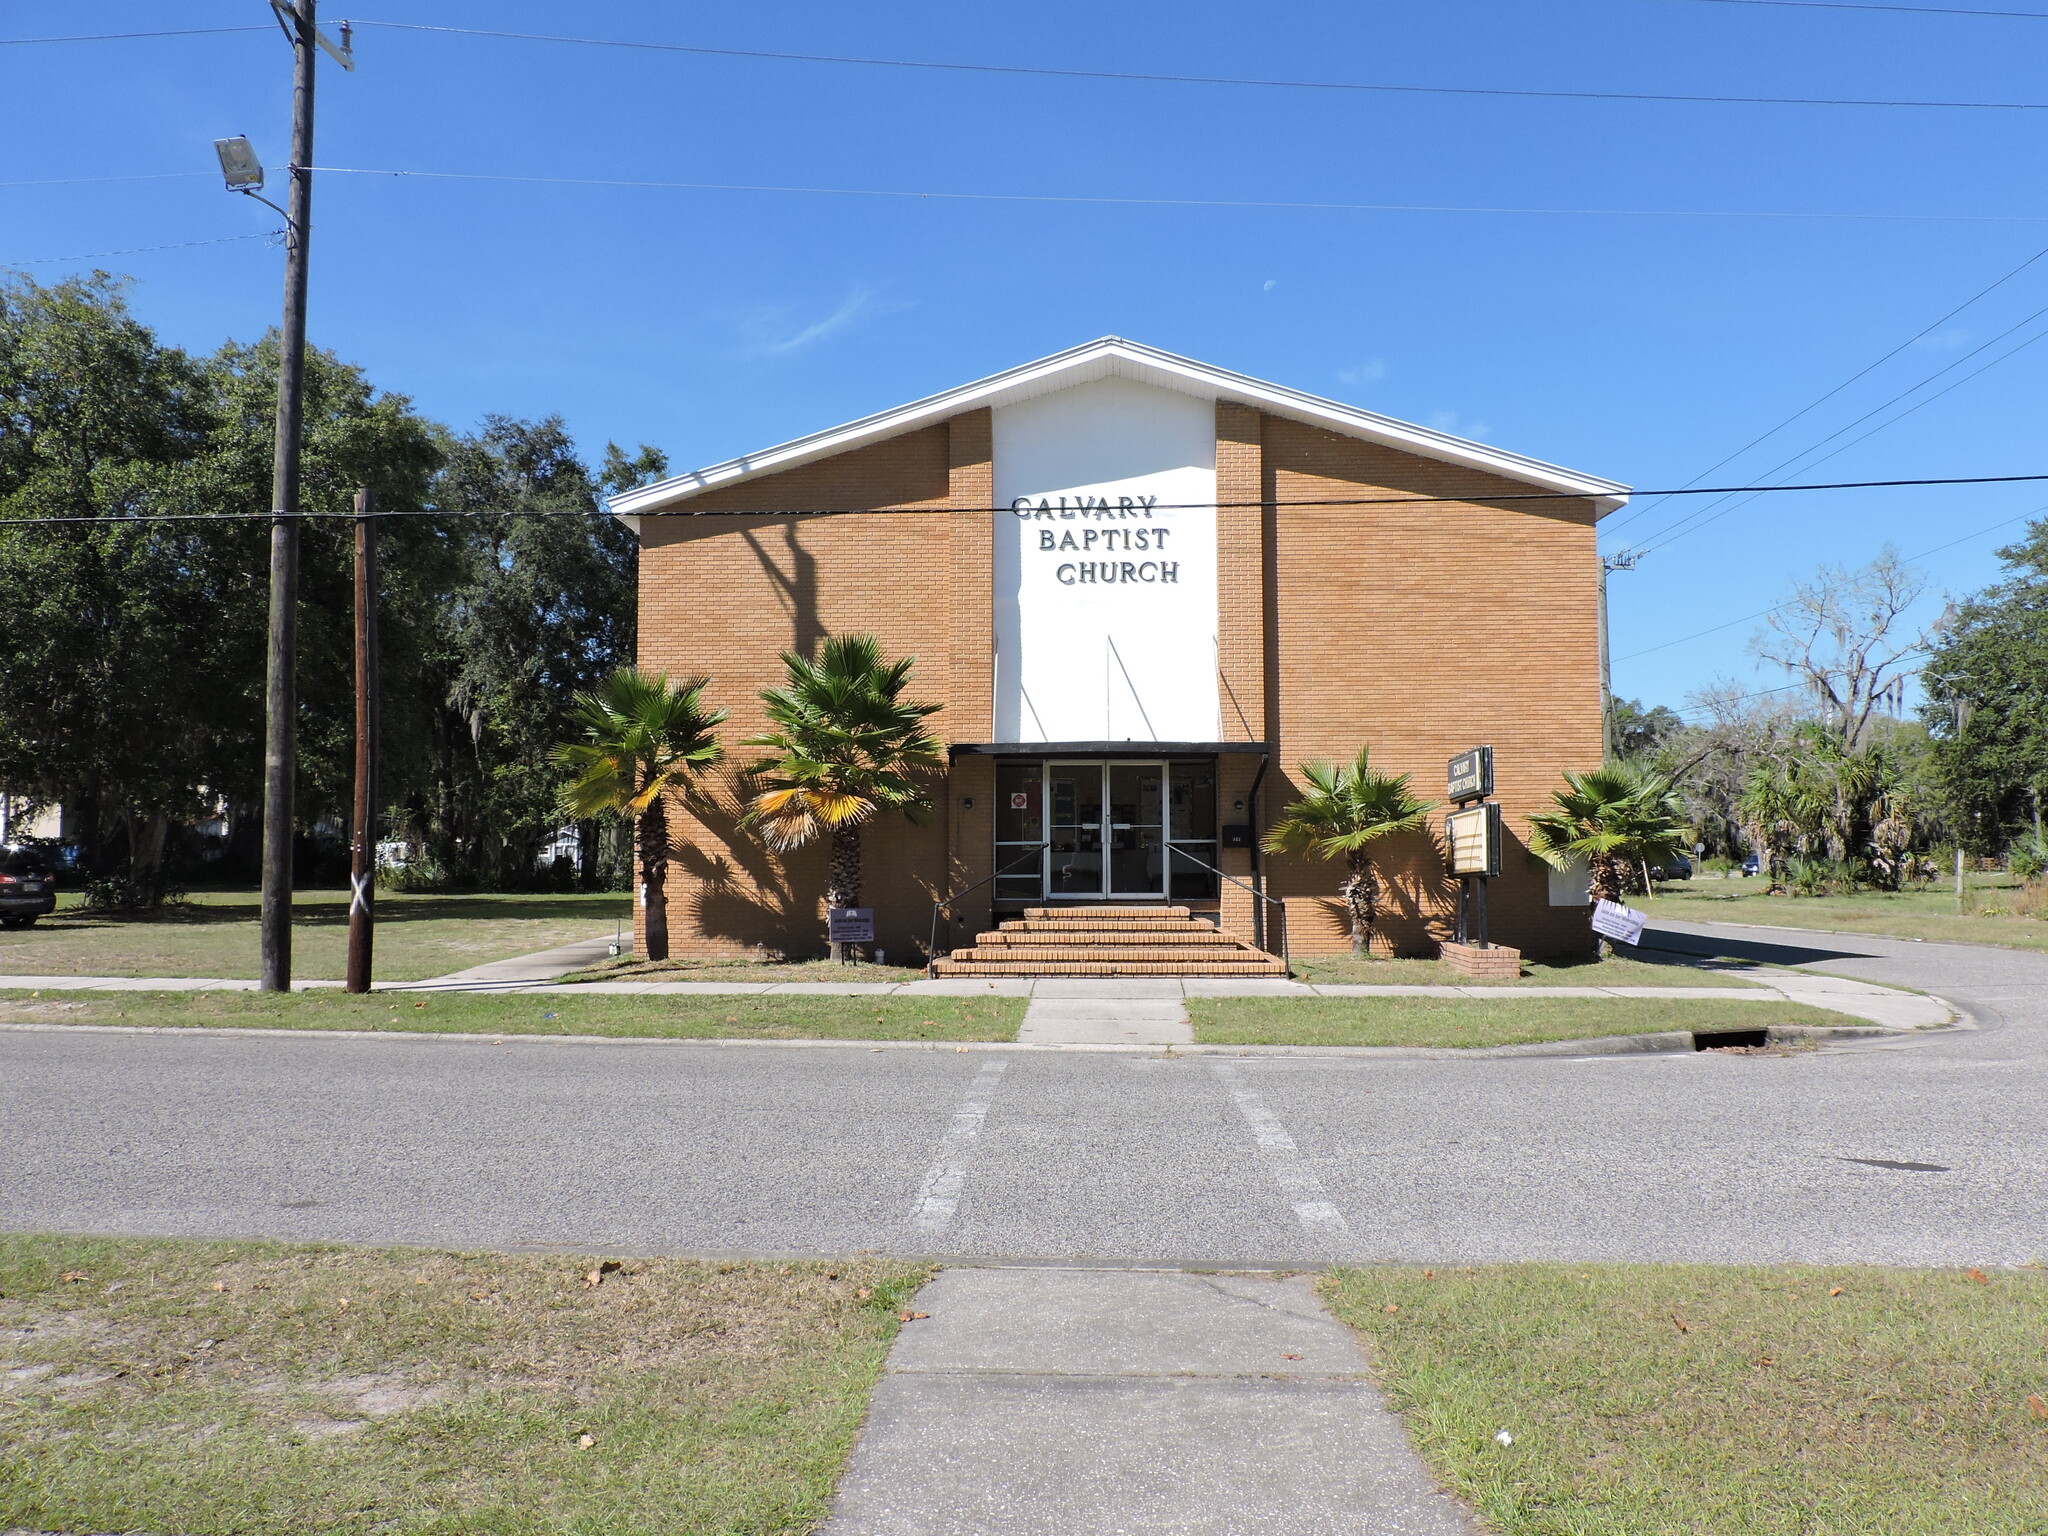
(1105, 827)
(1096, 829)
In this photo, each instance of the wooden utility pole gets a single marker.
(362, 873)
(280, 697)
(1610, 745)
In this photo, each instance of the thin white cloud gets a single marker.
(1448, 421)
(769, 333)
(1944, 341)
(1370, 371)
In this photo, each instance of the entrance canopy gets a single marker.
(1101, 748)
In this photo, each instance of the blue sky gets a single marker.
(1680, 300)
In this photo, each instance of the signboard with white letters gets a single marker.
(1469, 775)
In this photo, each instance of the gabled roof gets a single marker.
(1114, 357)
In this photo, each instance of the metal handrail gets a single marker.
(1286, 958)
(931, 950)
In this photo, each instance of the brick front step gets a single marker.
(1253, 966)
(1182, 936)
(1092, 909)
(1102, 925)
(1108, 941)
(1038, 954)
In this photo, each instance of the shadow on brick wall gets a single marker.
(796, 587)
(743, 891)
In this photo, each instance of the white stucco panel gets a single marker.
(1571, 886)
(1105, 568)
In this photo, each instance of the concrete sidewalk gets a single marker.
(1109, 1011)
(541, 965)
(1078, 1010)
(1085, 1401)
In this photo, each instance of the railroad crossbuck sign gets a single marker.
(1473, 838)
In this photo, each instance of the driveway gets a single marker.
(1925, 1151)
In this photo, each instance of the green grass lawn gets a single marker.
(1647, 1400)
(1650, 971)
(632, 968)
(1992, 918)
(1469, 1022)
(679, 1018)
(251, 1388)
(215, 934)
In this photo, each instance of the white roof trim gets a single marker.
(1126, 359)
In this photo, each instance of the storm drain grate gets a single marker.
(1729, 1039)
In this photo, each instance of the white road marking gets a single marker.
(939, 1195)
(1290, 1170)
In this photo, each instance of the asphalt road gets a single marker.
(649, 1147)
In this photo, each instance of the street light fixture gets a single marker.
(243, 172)
(238, 164)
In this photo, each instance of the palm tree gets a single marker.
(642, 736)
(1608, 819)
(1788, 802)
(847, 747)
(1769, 806)
(1349, 808)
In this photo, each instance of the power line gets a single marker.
(1901, 10)
(1671, 537)
(1693, 521)
(1764, 613)
(1045, 72)
(1253, 82)
(136, 250)
(1764, 693)
(122, 37)
(1475, 498)
(76, 181)
(1638, 510)
(1169, 202)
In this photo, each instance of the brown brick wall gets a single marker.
(1240, 573)
(1422, 629)
(971, 827)
(1425, 630)
(725, 594)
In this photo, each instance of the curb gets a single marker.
(1659, 1043)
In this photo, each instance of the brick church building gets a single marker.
(1145, 590)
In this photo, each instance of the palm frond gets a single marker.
(1346, 808)
(1615, 811)
(841, 732)
(641, 734)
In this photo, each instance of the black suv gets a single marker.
(28, 887)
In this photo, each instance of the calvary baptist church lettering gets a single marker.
(1087, 540)
(1085, 506)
